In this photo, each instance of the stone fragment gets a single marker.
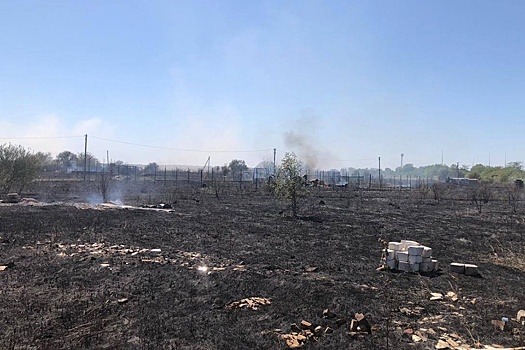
(499, 324)
(305, 325)
(436, 296)
(407, 333)
(453, 296)
(441, 345)
(521, 316)
(311, 269)
(327, 313)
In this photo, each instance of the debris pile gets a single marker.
(249, 303)
(408, 256)
(299, 335)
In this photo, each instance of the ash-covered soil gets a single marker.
(97, 277)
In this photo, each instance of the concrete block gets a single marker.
(415, 259)
(415, 250)
(403, 266)
(426, 267)
(426, 260)
(402, 256)
(394, 245)
(406, 243)
(434, 264)
(427, 252)
(414, 267)
(457, 268)
(392, 263)
(390, 254)
(471, 270)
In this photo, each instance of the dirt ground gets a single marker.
(88, 276)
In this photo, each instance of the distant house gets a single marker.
(263, 170)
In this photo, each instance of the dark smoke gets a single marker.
(304, 148)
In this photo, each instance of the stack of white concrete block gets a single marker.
(409, 256)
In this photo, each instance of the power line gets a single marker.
(180, 149)
(41, 137)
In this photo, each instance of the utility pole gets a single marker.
(85, 156)
(457, 167)
(379, 173)
(505, 159)
(402, 154)
(274, 151)
(442, 157)
(107, 159)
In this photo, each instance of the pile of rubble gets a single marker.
(306, 331)
(253, 303)
(408, 256)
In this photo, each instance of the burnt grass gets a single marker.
(54, 296)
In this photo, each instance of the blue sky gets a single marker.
(350, 80)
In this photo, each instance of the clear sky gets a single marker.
(339, 82)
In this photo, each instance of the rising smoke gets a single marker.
(304, 148)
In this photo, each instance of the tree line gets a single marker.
(18, 167)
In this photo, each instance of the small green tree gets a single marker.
(289, 184)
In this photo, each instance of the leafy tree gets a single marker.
(225, 170)
(151, 168)
(289, 184)
(18, 167)
(66, 159)
(237, 166)
(517, 165)
(92, 161)
(44, 160)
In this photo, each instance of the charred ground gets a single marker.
(85, 276)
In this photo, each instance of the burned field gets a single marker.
(236, 272)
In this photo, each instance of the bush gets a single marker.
(18, 168)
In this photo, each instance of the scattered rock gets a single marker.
(305, 325)
(436, 296)
(360, 324)
(521, 316)
(457, 268)
(311, 269)
(407, 333)
(134, 340)
(123, 300)
(499, 324)
(249, 303)
(327, 313)
(441, 345)
(452, 296)
(416, 338)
